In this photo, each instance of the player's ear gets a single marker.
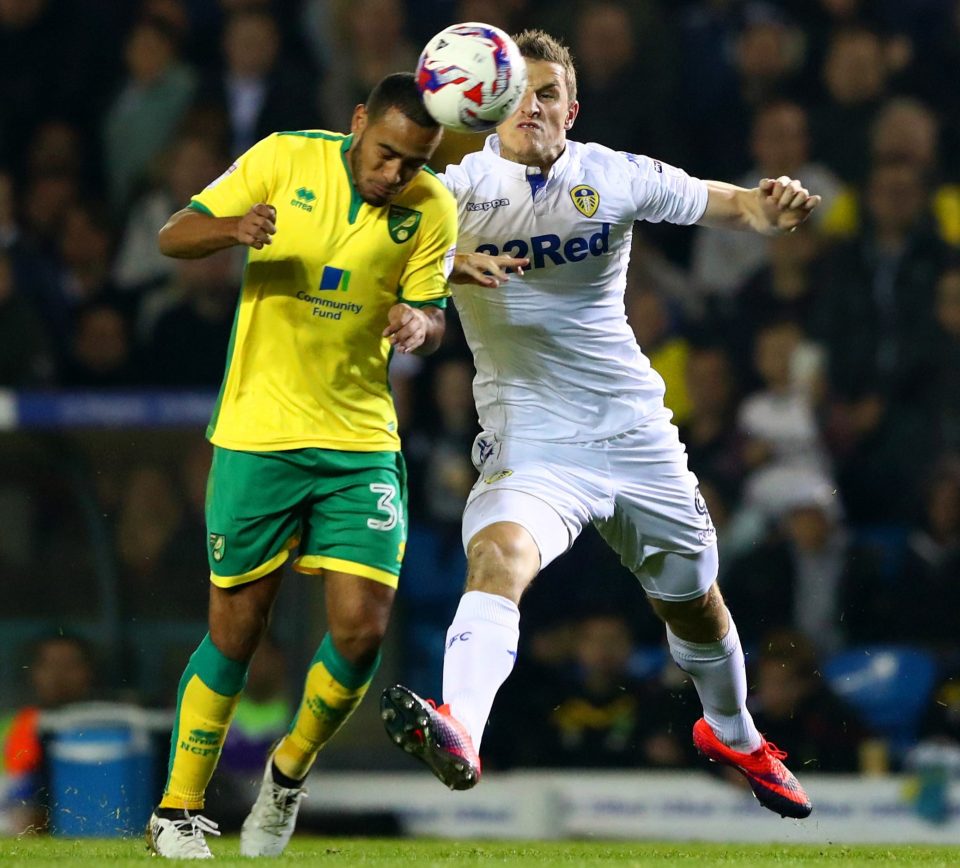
(572, 111)
(359, 120)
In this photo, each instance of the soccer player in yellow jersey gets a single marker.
(349, 248)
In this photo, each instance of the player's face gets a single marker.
(536, 133)
(387, 153)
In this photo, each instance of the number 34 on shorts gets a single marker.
(329, 509)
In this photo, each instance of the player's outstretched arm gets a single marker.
(415, 329)
(190, 234)
(773, 207)
(483, 269)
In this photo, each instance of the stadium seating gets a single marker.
(890, 685)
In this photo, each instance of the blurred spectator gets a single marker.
(189, 164)
(152, 558)
(930, 574)
(596, 714)
(615, 42)
(56, 147)
(766, 56)
(101, 354)
(940, 380)
(31, 90)
(810, 577)
(143, 118)
(710, 434)
(667, 350)
(884, 282)
(904, 131)
(26, 353)
(724, 260)
(202, 301)
(260, 87)
(785, 289)
(371, 44)
(86, 250)
(439, 446)
(855, 73)
(791, 698)
(46, 198)
(781, 439)
(61, 671)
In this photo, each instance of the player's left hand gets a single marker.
(407, 329)
(785, 202)
(483, 269)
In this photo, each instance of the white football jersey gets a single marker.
(555, 357)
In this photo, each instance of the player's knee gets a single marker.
(502, 559)
(703, 619)
(358, 631)
(237, 620)
(359, 642)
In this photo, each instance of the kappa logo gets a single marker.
(487, 206)
(586, 199)
(496, 477)
(218, 546)
(402, 223)
(304, 200)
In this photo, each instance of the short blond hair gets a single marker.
(539, 45)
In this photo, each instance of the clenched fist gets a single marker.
(257, 225)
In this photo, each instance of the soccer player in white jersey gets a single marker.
(574, 426)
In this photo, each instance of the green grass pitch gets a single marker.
(400, 853)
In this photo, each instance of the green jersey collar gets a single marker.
(355, 200)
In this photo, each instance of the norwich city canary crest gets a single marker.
(402, 223)
(218, 545)
(586, 199)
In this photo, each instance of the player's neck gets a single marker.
(543, 162)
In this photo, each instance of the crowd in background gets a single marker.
(815, 377)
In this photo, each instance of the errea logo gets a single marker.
(304, 199)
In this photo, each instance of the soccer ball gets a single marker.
(471, 77)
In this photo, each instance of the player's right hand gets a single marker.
(257, 225)
(483, 269)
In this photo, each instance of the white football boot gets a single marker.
(180, 837)
(271, 821)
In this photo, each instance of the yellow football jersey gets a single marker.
(307, 363)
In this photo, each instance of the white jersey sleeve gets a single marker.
(664, 192)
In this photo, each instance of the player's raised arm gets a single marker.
(773, 207)
(191, 234)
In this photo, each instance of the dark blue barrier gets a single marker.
(101, 409)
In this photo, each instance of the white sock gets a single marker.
(719, 674)
(481, 651)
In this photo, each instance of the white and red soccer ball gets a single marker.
(471, 77)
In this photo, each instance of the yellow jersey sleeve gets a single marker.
(248, 181)
(424, 280)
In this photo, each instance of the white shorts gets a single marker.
(635, 488)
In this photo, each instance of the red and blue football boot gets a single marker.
(771, 781)
(432, 735)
